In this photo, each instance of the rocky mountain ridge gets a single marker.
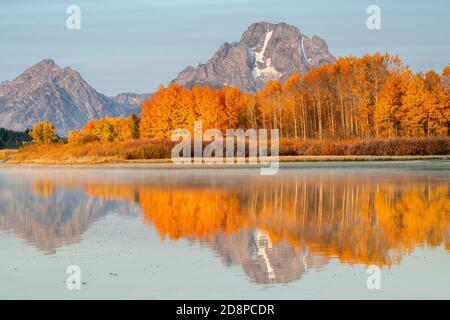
(59, 95)
(266, 51)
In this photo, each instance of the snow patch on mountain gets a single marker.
(268, 71)
(302, 49)
(260, 55)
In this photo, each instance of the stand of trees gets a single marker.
(356, 98)
(13, 139)
(373, 96)
(176, 108)
(107, 130)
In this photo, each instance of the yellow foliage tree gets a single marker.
(43, 133)
(446, 78)
(411, 121)
(389, 101)
(422, 115)
(74, 137)
(169, 109)
(232, 105)
(438, 107)
(208, 107)
(111, 129)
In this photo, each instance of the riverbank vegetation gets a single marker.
(102, 152)
(6, 153)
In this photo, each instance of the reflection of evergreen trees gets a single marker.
(13, 139)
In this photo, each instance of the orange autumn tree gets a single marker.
(175, 107)
(389, 102)
(208, 107)
(415, 109)
(169, 109)
(270, 107)
(438, 107)
(446, 78)
(75, 136)
(292, 105)
(233, 102)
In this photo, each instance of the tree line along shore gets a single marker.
(359, 106)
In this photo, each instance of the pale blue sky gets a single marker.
(136, 45)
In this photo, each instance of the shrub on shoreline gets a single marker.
(5, 153)
(374, 147)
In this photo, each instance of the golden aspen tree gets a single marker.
(250, 113)
(208, 107)
(343, 69)
(44, 133)
(415, 101)
(233, 102)
(361, 94)
(169, 109)
(269, 99)
(292, 104)
(74, 137)
(446, 78)
(104, 130)
(389, 101)
(314, 86)
(438, 105)
(88, 128)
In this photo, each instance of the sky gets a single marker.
(134, 46)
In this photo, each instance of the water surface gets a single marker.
(309, 232)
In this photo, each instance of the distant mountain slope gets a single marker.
(265, 51)
(133, 100)
(59, 95)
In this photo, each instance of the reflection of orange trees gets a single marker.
(43, 189)
(179, 212)
(112, 192)
(355, 220)
(191, 213)
(420, 215)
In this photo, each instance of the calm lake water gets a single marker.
(311, 231)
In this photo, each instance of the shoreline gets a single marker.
(284, 161)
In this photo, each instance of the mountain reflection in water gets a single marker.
(275, 227)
